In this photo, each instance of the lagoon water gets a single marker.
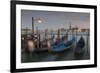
(62, 56)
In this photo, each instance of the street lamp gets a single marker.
(38, 20)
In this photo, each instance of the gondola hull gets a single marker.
(64, 46)
(79, 50)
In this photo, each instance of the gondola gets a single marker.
(64, 45)
(79, 50)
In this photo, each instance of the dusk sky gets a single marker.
(54, 20)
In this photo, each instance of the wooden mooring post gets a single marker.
(87, 46)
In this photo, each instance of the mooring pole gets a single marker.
(33, 25)
(26, 38)
(87, 41)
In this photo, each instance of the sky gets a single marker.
(54, 20)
